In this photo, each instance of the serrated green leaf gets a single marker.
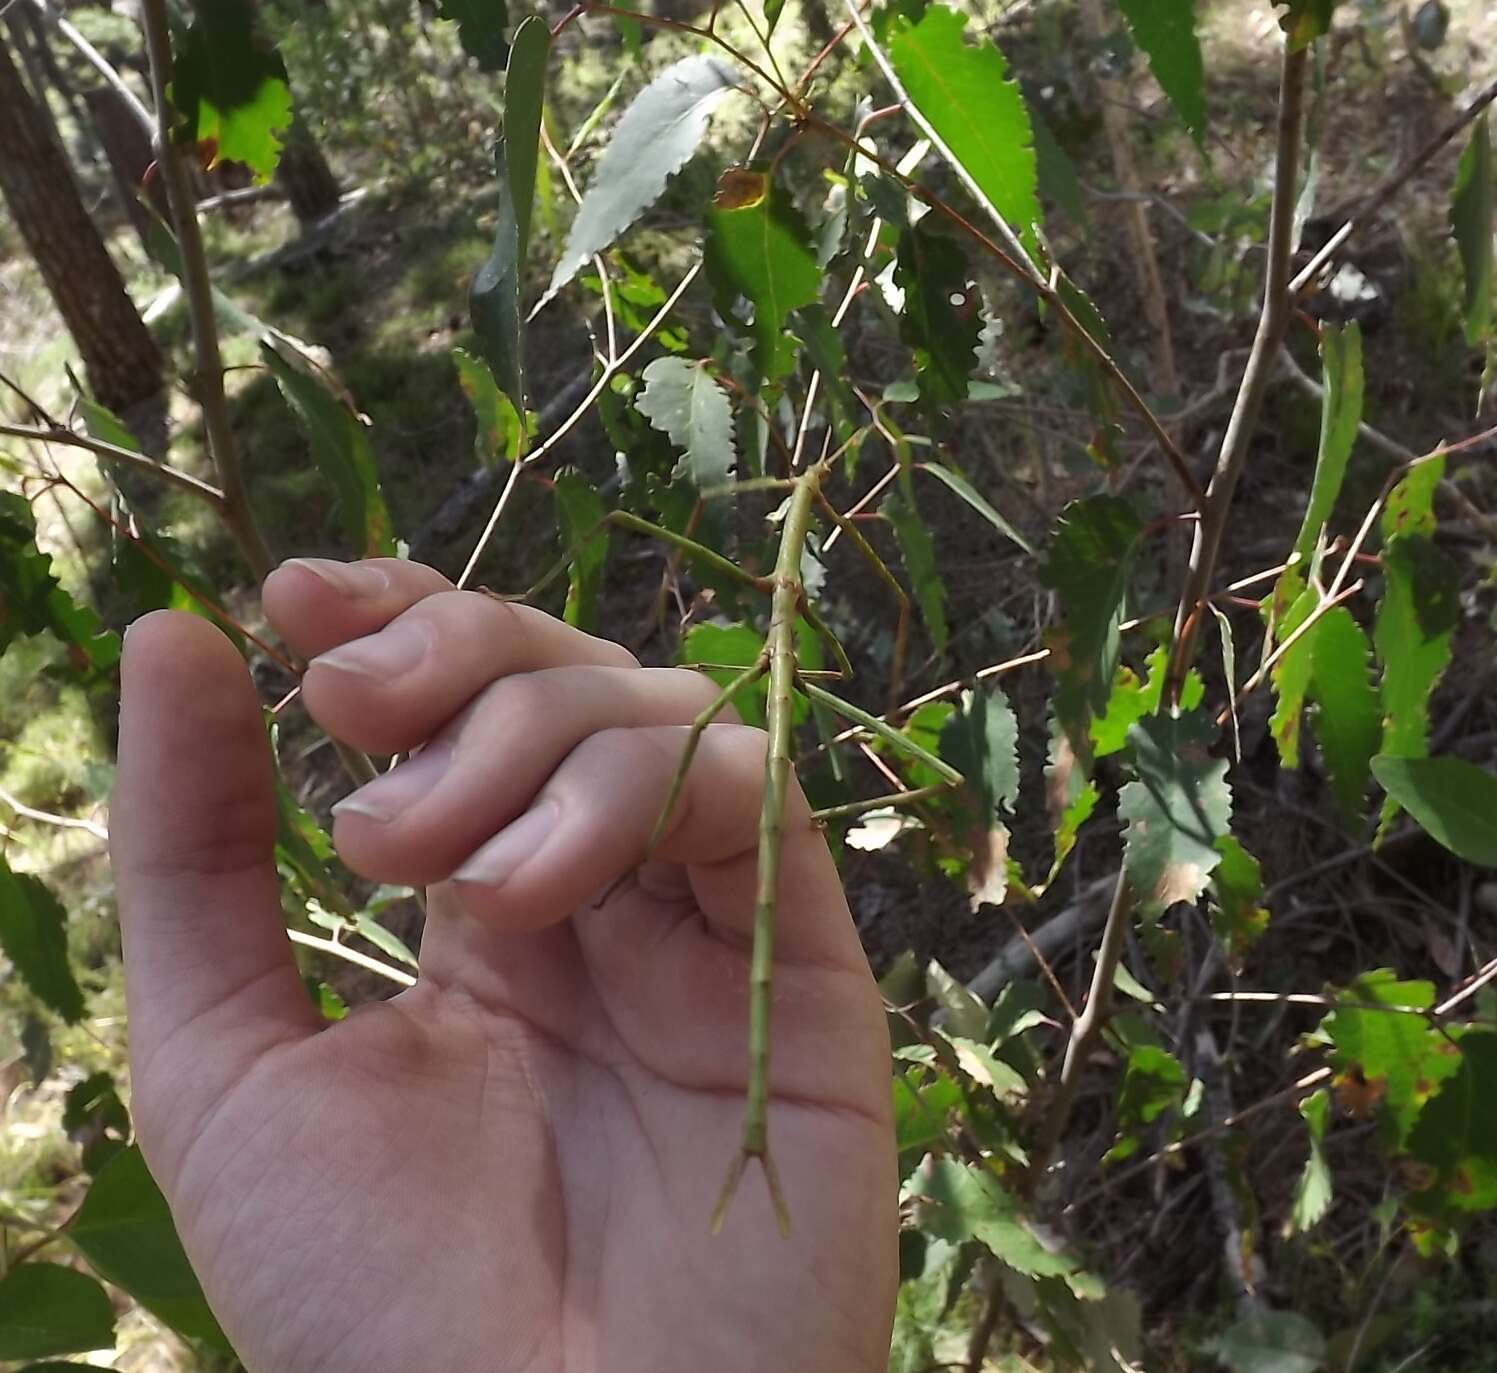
(1238, 915)
(1457, 1132)
(964, 90)
(965, 1012)
(126, 1233)
(921, 1109)
(580, 512)
(1347, 718)
(1090, 562)
(980, 739)
(1410, 507)
(1454, 802)
(1291, 676)
(942, 316)
(1471, 212)
(953, 480)
(1341, 413)
(1176, 810)
(653, 141)
(33, 935)
(482, 28)
(983, 1066)
(1401, 1058)
(32, 600)
(1070, 795)
(1313, 1191)
(919, 553)
(1130, 700)
(1272, 1342)
(683, 399)
(500, 432)
(758, 248)
(229, 86)
(1165, 31)
(1099, 391)
(960, 1201)
(730, 649)
(48, 1309)
(1153, 1083)
(339, 445)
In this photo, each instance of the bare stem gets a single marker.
(208, 377)
(70, 439)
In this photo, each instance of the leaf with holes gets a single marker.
(340, 447)
(1455, 802)
(47, 1309)
(229, 87)
(1471, 211)
(1341, 413)
(1176, 810)
(1089, 566)
(683, 399)
(1166, 31)
(758, 249)
(942, 315)
(653, 141)
(1393, 1052)
(33, 935)
(126, 1233)
(964, 90)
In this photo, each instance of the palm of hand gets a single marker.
(511, 1165)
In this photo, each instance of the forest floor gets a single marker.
(383, 288)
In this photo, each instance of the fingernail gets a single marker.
(493, 864)
(388, 797)
(394, 650)
(348, 579)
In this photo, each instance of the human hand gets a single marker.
(511, 1165)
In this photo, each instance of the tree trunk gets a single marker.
(119, 354)
(128, 149)
(304, 173)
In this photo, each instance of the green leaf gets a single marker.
(95, 1118)
(966, 94)
(682, 399)
(1341, 413)
(384, 940)
(31, 599)
(942, 317)
(1070, 796)
(921, 1109)
(1313, 1191)
(33, 934)
(1165, 30)
(1176, 810)
(730, 649)
(1400, 1058)
(965, 1013)
(1090, 562)
(1455, 802)
(500, 432)
(960, 1201)
(1348, 719)
(980, 740)
(1130, 700)
(48, 1309)
(1238, 915)
(126, 1233)
(340, 447)
(580, 512)
(950, 478)
(652, 142)
(1410, 507)
(1412, 633)
(1471, 211)
(919, 553)
(494, 296)
(481, 28)
(1099, 391)
(758, 248)
(1153, 1083)
(230, 86)
(1271, 1342)
(1291, 675)
(917, 1315)
(1457, 1132)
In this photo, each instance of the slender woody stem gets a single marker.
(126, 456)
(208, 381)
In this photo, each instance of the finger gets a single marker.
(316, 603)
(209, 975)
(416, 824)
(592, 822)
(392, 690)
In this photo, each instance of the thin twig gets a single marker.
(329, 946)
(71, 439)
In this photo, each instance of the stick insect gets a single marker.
(778, 661)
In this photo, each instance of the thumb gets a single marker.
(210, 981)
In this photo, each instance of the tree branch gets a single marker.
(129, 458)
